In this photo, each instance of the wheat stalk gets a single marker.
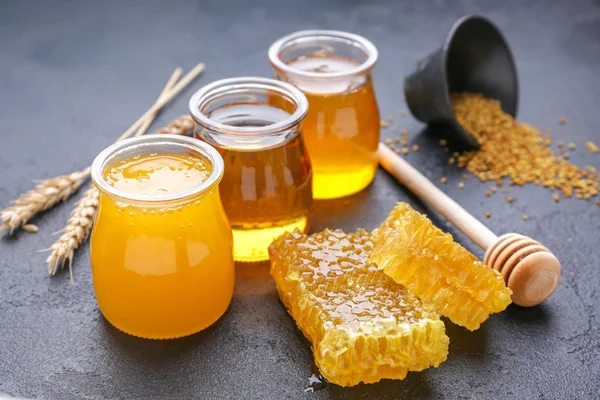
(164, 100)
(45, 195)
(181, 125)
(75, 232)
(170, 83)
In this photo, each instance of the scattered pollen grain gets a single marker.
(516, 151)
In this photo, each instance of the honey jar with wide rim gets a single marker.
(342, 127)
(256, 125)
(162, 258)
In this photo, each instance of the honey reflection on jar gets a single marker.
(161, 247)
(255, 124)
(341, 129)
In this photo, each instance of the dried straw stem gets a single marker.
(170, 83)
(76, 231)
(163, 100)
(45, 195)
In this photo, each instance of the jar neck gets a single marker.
(241, 142)
(248, 114)
(320, 61)
(109, 200)
(157, 144)
(332, 86)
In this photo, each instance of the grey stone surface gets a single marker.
(74, 75)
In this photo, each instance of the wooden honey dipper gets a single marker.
(529, 269)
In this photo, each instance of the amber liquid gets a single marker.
(341, 129)
(265, 192)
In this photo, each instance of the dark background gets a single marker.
(74, 75)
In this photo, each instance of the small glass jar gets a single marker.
(341, 130)
(162, 265)
(255, 124)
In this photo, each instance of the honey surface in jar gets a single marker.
(266, 190)
(415, 253)
(341, 129)
(363, 326)
(161, 269)
(158, 174)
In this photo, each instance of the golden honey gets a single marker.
(267, 186)
(157, 174)
(342, 126)
(266, 193)
(161, 247)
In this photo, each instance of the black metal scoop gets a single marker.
(474, 58)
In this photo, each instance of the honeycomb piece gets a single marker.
(363, 326)
(410, 249)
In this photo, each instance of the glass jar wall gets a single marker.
(341, 129)
(161, 247)
(255, 124)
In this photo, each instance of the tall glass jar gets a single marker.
(341, 129)
(162, 265)
(255, 124)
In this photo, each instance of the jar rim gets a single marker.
(231, 85)
(213, 156)
(366, 45)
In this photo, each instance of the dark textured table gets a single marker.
(74, 75)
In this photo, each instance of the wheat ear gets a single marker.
(45, 195)
(181, 125)
(75, 232)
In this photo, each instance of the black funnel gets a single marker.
(474, 58)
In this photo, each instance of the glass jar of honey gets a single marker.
(255, 124)
(161, 247)
(341, 129)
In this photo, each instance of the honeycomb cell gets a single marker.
(439, 271)
(363, 326)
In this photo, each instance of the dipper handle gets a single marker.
(529, 269)
(427, 191)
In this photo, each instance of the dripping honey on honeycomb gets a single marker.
(363, 326)
(411, 250)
